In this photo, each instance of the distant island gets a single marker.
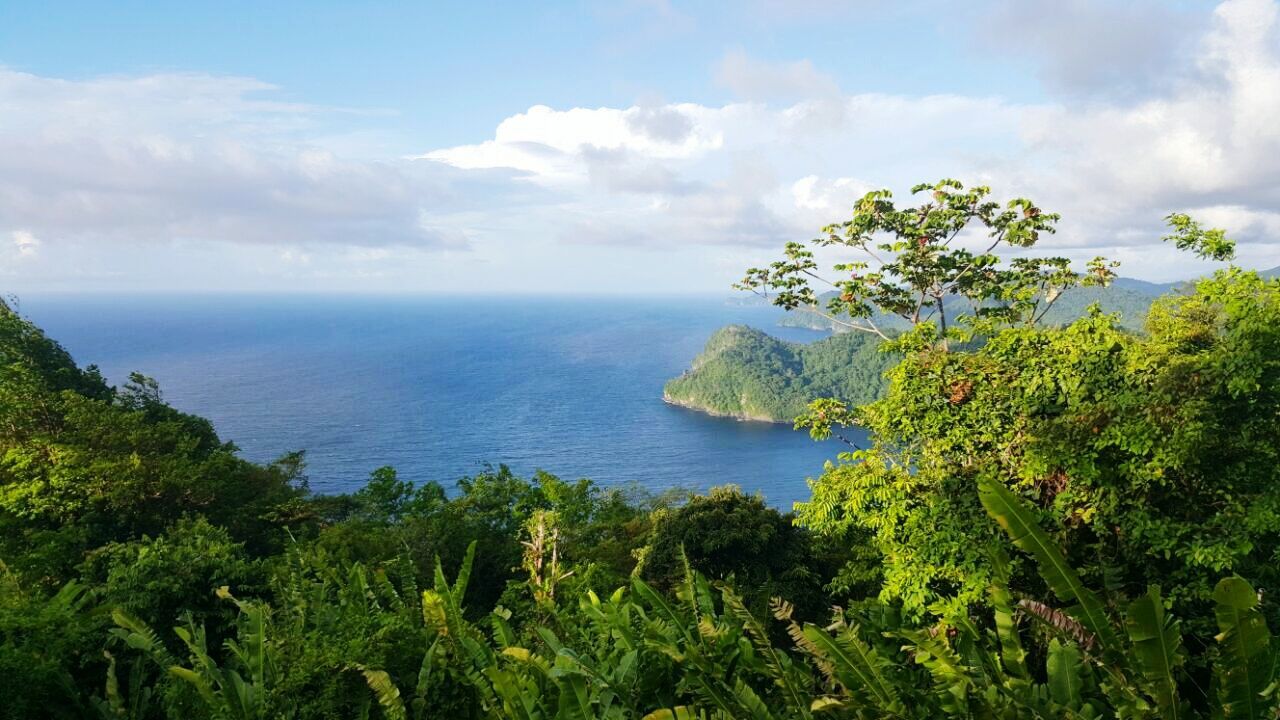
(745, 373)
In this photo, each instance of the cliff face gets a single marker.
(747, 374)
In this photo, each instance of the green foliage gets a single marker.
(704, 654)
(1144, 677)
(1129, 299)
(728, 535)
(1152, 457)
(1248, 676)
(45, 644)
(82, 464)
(745, 373)
(158, 579)
(1188, 234)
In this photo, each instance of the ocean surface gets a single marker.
(438, 387)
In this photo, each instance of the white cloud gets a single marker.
(1210, 142)
(824, 200)
(755, 173)
(190, 157)
(550, 144)
(743, 173)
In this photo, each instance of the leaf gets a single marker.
(575, 700)
(197, 681)
(386, 692)
(953, 678)
(1012, 514)
(139, 636)
(517, 653)
(464, 573)
(1242, 671)
(854, 664)
(778, 663)
(1063, 624)
(826, 704)
(1157, 645)
(1063, 668)
(114, 701)
(1012, 656)
(682, 712)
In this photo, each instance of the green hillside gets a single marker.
(747, 374)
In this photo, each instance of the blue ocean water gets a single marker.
(437, 387)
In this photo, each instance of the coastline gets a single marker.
(740, 417)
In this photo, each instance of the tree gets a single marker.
(83, 464)
(159, 579)
(727, 534)
(918, 268)
(1151, 457)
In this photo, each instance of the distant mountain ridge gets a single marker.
(1129, 297)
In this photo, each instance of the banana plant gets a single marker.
(1143, 672)
(237, 690)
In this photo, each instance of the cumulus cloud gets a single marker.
(550, 144)
(745, 173)
(774, 167)
(1207, 144)
(191, 157)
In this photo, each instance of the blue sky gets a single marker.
(452, 71)
(603, 147)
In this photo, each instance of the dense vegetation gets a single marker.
(745, 373)
(1075, 521)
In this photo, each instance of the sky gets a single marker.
(606, 147)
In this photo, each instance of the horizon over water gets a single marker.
(438, 386)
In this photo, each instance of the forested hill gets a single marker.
(747, 374)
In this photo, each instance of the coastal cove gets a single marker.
(439, 386)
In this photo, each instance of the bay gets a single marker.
(438, 387)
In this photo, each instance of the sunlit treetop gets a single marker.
(919, 265)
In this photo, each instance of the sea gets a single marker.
(441, 387)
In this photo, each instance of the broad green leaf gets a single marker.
(1157, 645)
(1243, 670)
(855, 664)
(1064, 671)
(1012, 656)
(1020, 525)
